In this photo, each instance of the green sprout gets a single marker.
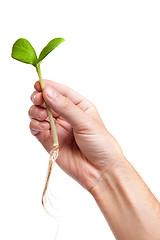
(23, 51)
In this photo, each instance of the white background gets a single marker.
(112, 57)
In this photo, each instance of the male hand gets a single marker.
(87, 149)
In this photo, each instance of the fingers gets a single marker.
(64, 106)
(37, 126)
(37, 98)
(38, 101)
(38, 122)
(75, 97)
(67, 103)
(37, 113)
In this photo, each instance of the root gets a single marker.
(53, 157)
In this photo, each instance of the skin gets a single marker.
(92, 156)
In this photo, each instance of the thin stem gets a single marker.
(54, 152)
(54, 133)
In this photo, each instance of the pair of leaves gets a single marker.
(23, 51)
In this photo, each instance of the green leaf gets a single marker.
(23, 51)
(49, 47)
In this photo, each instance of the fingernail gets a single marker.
(33, 96)
(51, 93)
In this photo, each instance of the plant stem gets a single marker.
(54, 133)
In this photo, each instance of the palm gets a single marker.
(70, 159)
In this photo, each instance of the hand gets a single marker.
(87, 149)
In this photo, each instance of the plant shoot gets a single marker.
(23, 51)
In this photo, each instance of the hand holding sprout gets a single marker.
(91, 155)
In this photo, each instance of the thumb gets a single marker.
(64, 107)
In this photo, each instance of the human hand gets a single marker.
(87, 149)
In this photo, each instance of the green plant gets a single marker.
(23, 51)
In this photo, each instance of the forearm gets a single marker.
(131, 210)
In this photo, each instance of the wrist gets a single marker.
(110, 177)
(125, 200)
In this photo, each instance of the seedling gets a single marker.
(23, 51)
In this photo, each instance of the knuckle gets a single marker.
(66, 103)
(93, 108)
(30, 111)
(41, 115)
(30, 125)
(37, 113)
(34, 133)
